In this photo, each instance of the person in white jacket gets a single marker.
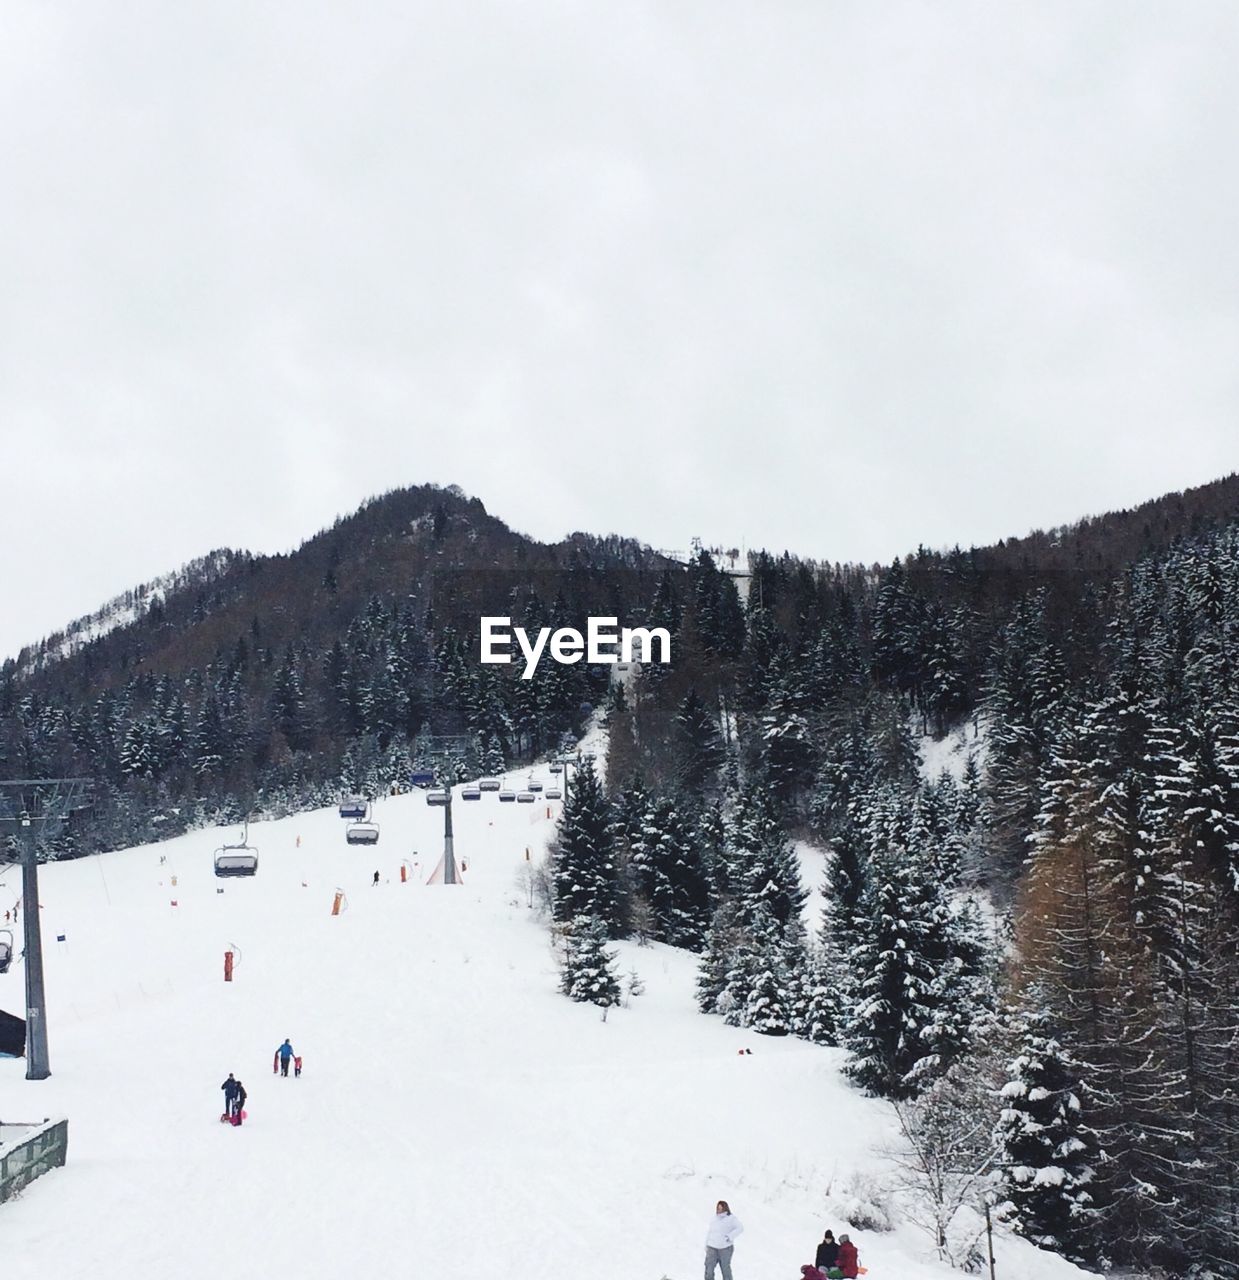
(721, 1240)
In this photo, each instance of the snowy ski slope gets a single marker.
(457, 1117)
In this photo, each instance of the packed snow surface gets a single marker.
(457, 1117)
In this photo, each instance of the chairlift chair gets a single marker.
(438, 797)
(470, 793)
(362, 833)
(489, 784)
(354, 807)
(534, 784)
(6, 949)
(554, 793)
(507, 796)
(556, 766)
(237, 859)
(525, 797)
(422, 778)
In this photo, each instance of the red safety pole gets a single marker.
(227, 966)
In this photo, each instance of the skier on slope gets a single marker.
(283, 1056)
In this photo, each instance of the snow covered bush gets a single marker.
(944, 1161)
(588, 965)
(864, 1203)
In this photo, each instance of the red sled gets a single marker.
(275, 1062)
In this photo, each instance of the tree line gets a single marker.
(1058, 924)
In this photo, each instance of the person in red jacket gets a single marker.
(849, 1261)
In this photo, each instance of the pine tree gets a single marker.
(787, 747)
(588, 970)
(945, 694)
(765, 861)
(670, 875)
(961, 995)
(722, 941)
(699, 745)
(847, 877)
(717, 854)
(289, 711)
(770, 997)
(899, 640)
(1027, 708)
(584, 874)
(892, 972)
(718, 615)
(208, 746)
(1197, 788)
(136, 756)
(169, 741)
(492, 756)
(1046, 1150)
(1098, 978)
(819, 1013)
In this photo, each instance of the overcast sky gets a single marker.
(836, 277)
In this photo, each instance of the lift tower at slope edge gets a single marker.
(26, 803)
(445, 753)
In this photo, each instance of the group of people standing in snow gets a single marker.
(839, 1261)
(836, 1260)
(234, 1090)
(234, 1100)
(283, 1056)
